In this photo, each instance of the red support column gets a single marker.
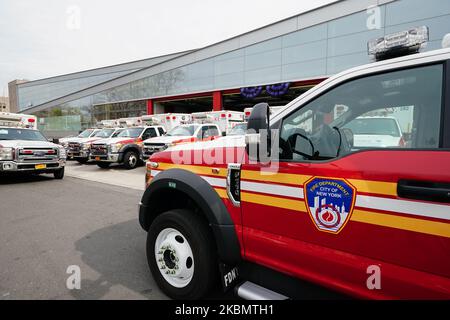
(217, 101)
(149, 106)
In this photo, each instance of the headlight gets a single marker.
(62, 153)
(115, 147)
(6, 153)
(86, 146)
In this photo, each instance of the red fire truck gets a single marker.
(300, 200)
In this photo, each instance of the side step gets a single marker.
(251, 291)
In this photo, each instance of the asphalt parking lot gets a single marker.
(89, 219)
(48, 225)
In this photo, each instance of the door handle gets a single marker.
(424, 190)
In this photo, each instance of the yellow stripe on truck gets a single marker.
(404, 223)
(201, 170)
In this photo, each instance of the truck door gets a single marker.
(361, 185)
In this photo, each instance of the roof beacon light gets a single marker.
(399, 43)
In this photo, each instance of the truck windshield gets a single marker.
(130, 133)
(374, 126)
(238, 130)
(115, 134)
(105, 133)
(182, 131)
(86, 133)
(21, 134)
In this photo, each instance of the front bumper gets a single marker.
(12, 166)
(110, 157)
(78, 154)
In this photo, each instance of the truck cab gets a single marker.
(186, 133)
(24, 149)
(302, 199)
(125, 148)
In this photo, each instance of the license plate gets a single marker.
(40, 166)
(97, 158)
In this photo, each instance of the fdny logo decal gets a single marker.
(330, 203)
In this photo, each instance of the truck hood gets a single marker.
(85, 140)
(26, 143)
(115, 140)
(167, 139)
(372, 140)
(222, 142)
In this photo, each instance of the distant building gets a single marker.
(4, 104)
(13, 95)
(273, 64)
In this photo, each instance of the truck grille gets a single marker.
(151, 148)
(74, 147)
(99, 149)
(37, 154)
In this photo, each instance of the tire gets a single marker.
(82, 160)
(182, 229)
(130, 160)
(103, 165)
(59, 174)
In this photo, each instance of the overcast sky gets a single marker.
(43, 38)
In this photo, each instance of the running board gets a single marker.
(251, 291)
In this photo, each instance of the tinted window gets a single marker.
(183, 130)
(149, 133)
(86, 133)
(400, 109)
(130, 133)
(105, 133)
(209, 131)
(161, 131)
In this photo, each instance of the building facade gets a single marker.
(275, 63)
(4, 104)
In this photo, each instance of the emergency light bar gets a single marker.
(16, 120)
(399, 43)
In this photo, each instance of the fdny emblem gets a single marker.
(329, 202)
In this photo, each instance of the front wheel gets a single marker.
(59, 174)
(130, 160)
(82, 160)
(103, 165)
(181, 255)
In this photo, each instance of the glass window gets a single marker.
(187, 130)
(149, 133)
(130, 133)
(393, 110)
(209, 131)
(405, 11)
(311, 34)
(305, 52)
(21, 134)
(86, 133)
(161, 131)
(104, 133)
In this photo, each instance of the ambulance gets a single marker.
(24, 149)
(300, 201)
(169, 120)
(126, 147)
(226, 120)
(182, 134)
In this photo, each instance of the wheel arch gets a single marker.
(181, 189)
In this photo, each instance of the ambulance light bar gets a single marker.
(399, 43)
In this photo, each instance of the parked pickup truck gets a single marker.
(25, 149)
(125, 148)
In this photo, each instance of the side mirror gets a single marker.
(55, 140)
(258, 135)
